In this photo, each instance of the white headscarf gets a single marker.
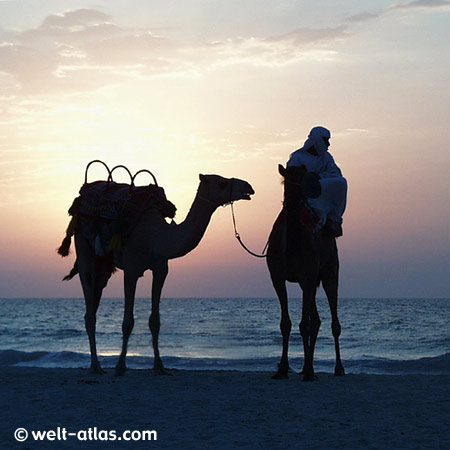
(315, 138)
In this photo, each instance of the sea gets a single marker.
(379, 336)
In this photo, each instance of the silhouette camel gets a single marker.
(296, 254)
(150, 245)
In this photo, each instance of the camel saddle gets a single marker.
(108, 200)
(105, 212)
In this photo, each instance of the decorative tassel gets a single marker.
(63, 250)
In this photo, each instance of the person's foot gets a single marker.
(334, 229)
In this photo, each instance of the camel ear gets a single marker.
(281, 170)
(203, 178)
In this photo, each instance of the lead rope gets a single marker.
(238, 237)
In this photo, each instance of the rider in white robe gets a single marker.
(330, 205)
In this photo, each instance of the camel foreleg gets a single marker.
(159, 276)
(90, 319)
(92, 283)
(285, 327)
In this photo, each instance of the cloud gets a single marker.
(84, 49)
(307, 36)
(130, 49)
(363, 17)
(29, 66)
(312, 44)
(422, 4)
(414, 5)
(73, 27)
(79, 17)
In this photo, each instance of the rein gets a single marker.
(302, 203)
(238, 237)
(236, 234)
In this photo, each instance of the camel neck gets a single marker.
(189, 233)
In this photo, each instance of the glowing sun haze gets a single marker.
(189, 87)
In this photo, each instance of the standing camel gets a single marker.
(297, 254)
(150, 245)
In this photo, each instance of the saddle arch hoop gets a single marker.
(143, 170)
(120, 166)
(93, 162)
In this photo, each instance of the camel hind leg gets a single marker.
(130, 282)
(309, 329)
(330, 286)
(93, 282)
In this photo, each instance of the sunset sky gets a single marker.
(229, 87)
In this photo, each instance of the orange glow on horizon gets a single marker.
(185, 98)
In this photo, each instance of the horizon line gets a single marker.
(229, 298)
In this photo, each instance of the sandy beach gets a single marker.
(225, 409)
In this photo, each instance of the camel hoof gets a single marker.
(161, 371)
(96, 369)
(310, 377)
(282, 372)
(120, 371)
(280, 376)
(339, 371)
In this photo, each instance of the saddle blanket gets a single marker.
(113, 201)
(106, 210)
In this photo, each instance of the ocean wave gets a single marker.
(65, 359)
(13, 357)
(433, 365)
(436, 365)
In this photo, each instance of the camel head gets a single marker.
(300, 183)
(220, 190)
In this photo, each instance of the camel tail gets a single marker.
(64, 248)
(72, 273)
